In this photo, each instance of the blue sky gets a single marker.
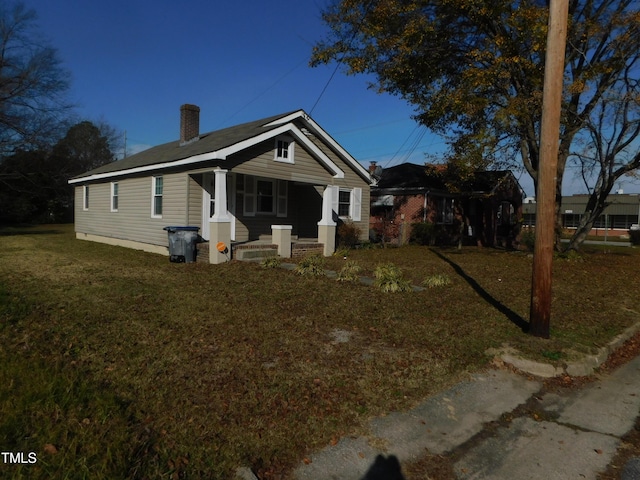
(134, 62)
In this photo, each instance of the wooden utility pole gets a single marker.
(540, 313)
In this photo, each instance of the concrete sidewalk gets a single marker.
(575, 435)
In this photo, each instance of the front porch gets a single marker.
(247, 217)
(264, 247)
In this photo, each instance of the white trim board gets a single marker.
(223, 153)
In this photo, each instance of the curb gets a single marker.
(581, 368)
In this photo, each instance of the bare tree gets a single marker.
(33, 83)
(610, 149)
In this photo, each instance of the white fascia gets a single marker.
(147, 168)
(326, 137)
(297, 133)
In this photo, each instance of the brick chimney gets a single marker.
(189, 123)
(372, 167)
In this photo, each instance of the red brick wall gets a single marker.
(412, 208)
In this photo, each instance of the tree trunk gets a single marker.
(595, 206)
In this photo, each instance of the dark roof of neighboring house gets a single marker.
(409, 176)
(207, 142)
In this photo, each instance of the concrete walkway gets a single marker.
(575, 435)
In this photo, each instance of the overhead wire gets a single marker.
(261, 94)
(344, 54)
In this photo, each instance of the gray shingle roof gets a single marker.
(172, 151)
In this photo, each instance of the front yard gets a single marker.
(120, 364)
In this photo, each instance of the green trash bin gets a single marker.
(182, 243)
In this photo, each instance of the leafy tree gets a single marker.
(474, 71)
(83, 148)
(34, 184)
(25, 190)
(32, 83)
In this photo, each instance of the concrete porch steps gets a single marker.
(258, 251)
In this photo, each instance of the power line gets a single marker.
(344, 54)
(261, 94)
(325, 86)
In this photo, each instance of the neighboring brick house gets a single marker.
(486, 211)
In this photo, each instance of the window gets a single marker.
(85, 197)
(445, 210)
(344, 203)
(157, 188)
(571, 220)
(284, 150)
(349, 204)
(506, 214)
(114, 196)
(264, 196)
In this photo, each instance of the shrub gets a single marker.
(569, 255)
(313, 265)
(350, 272)
(437, 280)
(348, 234)
(423, 233)
(271, 262)
(528, 239)
(389, 279)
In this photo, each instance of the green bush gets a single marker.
(350, 272)
(423, 233)
(313, 265)
(570, 256)
(437, 280)
(348, 234)
(271, 262)
(528, 239)
(389, 279)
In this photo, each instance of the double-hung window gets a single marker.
(264, 196)
(157, 192)
(114, 196)
(349, 204)
(445, 211)
(344, 203)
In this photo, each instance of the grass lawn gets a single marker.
(120, 364)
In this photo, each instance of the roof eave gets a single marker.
(319, 131)
(222, 155)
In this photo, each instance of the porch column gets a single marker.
(220, 223)
(327, 225)
(220, 210)
(281, 236)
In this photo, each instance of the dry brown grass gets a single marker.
(212, 367)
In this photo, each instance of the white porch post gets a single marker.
(220, 210)
(327, 225)
(220, 223)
